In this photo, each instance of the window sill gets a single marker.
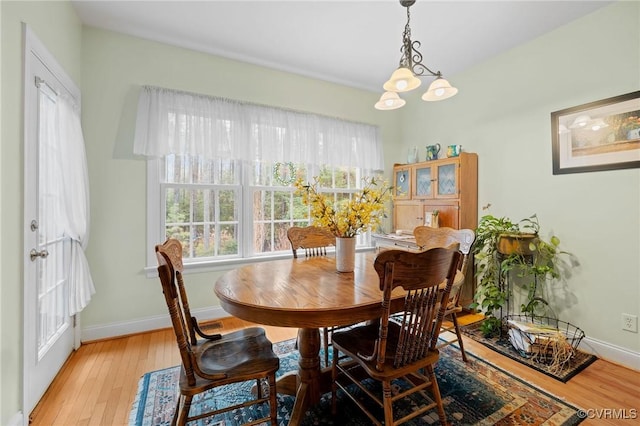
(228, 264)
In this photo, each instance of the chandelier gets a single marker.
(405, 78)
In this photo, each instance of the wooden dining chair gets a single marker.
(398, 347)
(216, 360)
(428, 238)
(314, 240)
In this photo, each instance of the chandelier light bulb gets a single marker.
(389, 101)
(438, 90)
(402, 80)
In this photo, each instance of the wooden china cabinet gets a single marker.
(448, 185)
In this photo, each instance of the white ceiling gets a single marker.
(355, 43)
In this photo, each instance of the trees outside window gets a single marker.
(225, 209)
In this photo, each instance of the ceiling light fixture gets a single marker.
(405, 78)
(390, 100)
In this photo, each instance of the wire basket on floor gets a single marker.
(543, 339)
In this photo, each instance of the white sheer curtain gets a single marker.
(173, 122)
(75, 201)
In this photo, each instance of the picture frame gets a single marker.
(431, 219)
(597, 136)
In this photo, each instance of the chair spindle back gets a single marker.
(427, 277)
(176, 312)
(313, 239)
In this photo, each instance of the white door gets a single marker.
(48, 328)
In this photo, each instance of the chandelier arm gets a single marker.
(415, 62)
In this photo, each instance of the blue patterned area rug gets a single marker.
(474, 393)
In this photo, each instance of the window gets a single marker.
(201, 201)
(202, 206)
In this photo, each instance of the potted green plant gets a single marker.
(505, 247)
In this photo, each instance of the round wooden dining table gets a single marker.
(306, 293)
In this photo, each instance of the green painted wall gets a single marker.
(58, 27)
(502, 112)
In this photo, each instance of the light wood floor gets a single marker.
(99, 381)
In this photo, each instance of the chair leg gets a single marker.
(386, 399)
(436, 394)
(326, 346)
(184, 413)
(454, 319)
(174, 420)
(334, 385)
(259, 388)
(273, 400)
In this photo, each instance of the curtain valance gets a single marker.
(174, 122)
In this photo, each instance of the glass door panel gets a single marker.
(402, 183)
(447, 180)
(423, 182)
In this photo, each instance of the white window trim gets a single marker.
(154, 236)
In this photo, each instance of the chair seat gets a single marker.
(360, 342)
(236, 354)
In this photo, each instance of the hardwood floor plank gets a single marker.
(80, 363)
(98, 383)
(101, 372)
(119, 373)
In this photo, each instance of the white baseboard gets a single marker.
(145, 324)
(612, 353)
(16, 420)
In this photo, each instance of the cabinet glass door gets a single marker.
(402, 189)
(423, 183)
(447, 180)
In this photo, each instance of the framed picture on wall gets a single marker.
(601, 135)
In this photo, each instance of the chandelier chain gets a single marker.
(411, 57)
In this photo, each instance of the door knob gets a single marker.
(35, 254)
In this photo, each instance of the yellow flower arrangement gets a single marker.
(348, 217)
